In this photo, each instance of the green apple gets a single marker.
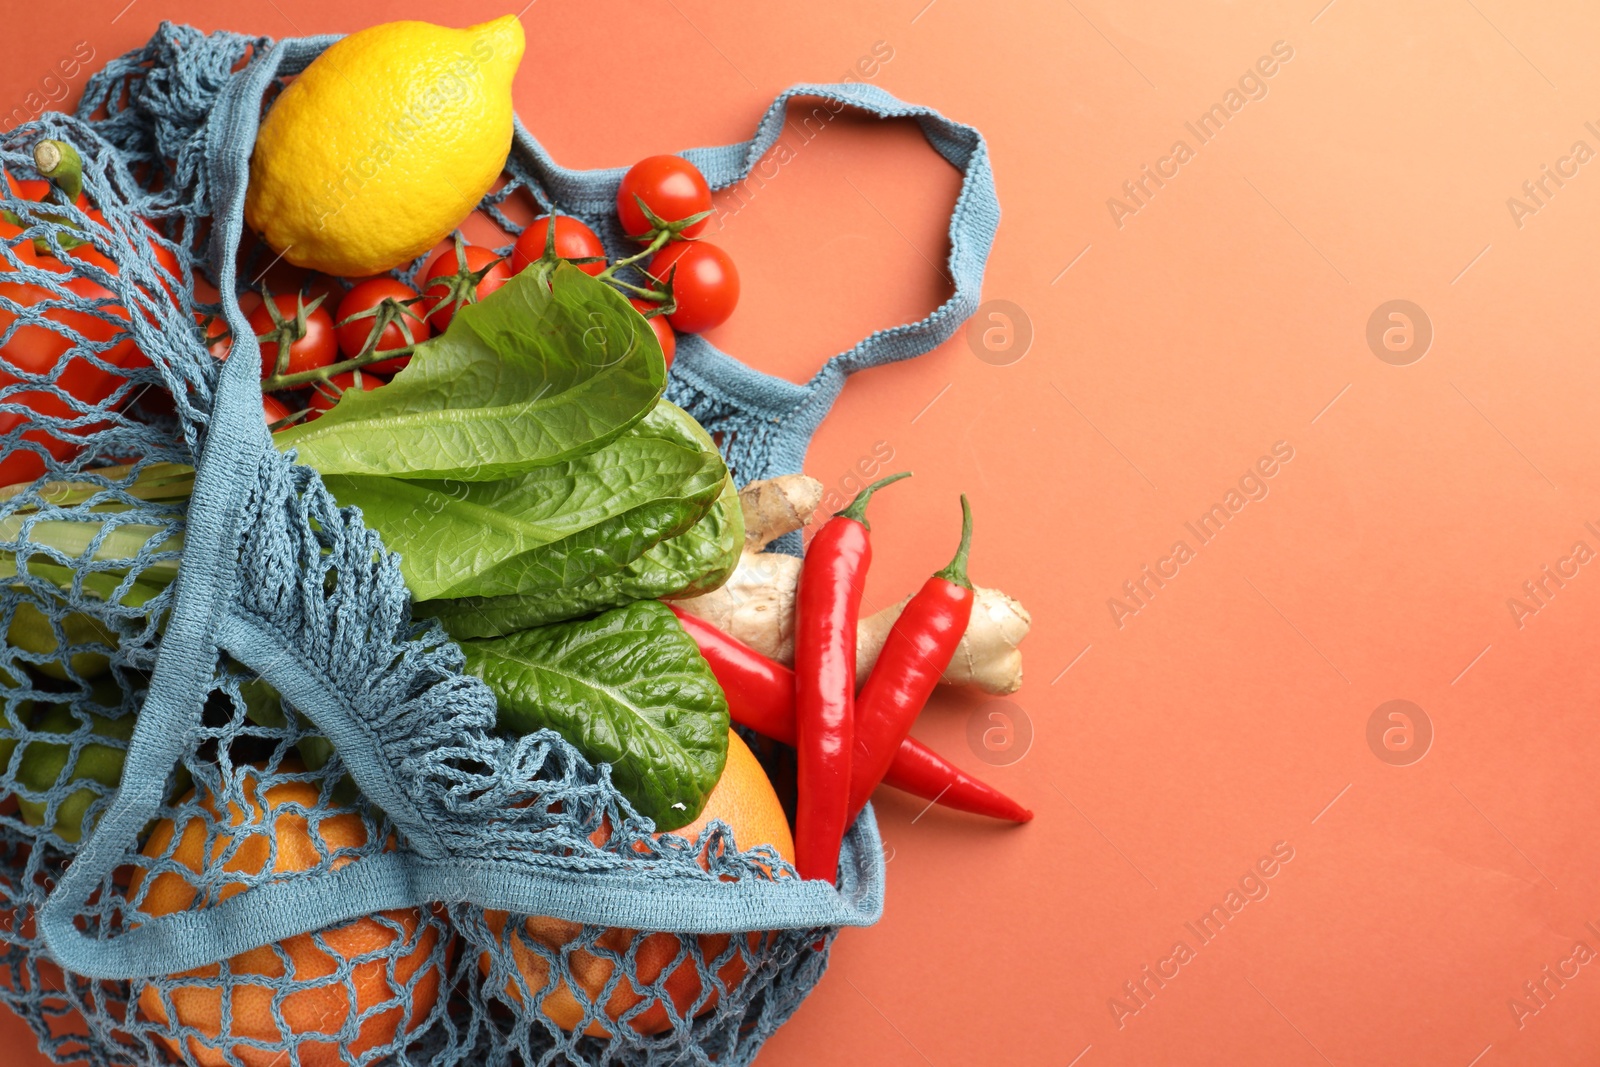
(21, 713)
(44, 766)
(31, 631)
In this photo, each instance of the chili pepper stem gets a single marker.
(857, 508)
(956, 572)
(60, 162)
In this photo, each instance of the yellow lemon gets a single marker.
(384, 144)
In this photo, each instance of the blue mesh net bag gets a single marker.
(264, 817)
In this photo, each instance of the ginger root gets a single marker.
(756, 604)
(987, 657)
(776, 506)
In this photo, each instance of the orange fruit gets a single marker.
(318, 1009)
(745, 800)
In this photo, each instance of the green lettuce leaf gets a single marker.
(549, 529)
(527, 377)
(696, 561)
(628, 688)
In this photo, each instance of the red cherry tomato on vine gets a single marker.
(705, 284)
(219, 341)
(358, 315)
(574, 240)
(670, 186)
(311, 343)
(664, 334)
(273, 409)
(448, 284)
(326, 394)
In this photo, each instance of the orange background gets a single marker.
(1228, 313)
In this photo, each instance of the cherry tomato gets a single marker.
(664, 334)
(705, 285)
(219, 341)
(449, 283)
(670, 186)
(574, 240)
(360, 311)
(326, 394)
(308, 333)
(218, 338)
(273, 409)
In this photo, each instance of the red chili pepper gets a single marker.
(761, 696)
(915, 654)
(920, 771)
(760, 692)
(827, 608)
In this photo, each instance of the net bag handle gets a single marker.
(792, 412)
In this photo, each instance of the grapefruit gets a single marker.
(745, 800)
(316, 1013)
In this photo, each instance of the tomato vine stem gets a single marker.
(317, 375)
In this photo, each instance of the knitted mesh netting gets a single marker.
(258, 815)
